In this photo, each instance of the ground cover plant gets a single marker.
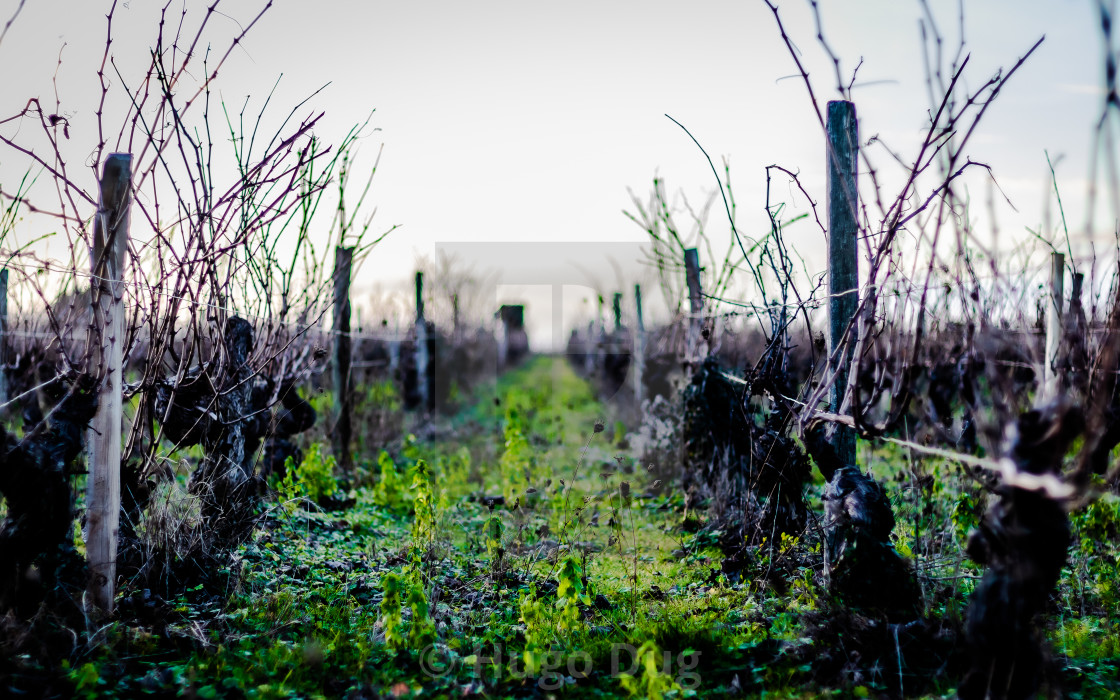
(921, 503)
(584, 575)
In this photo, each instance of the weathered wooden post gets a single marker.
(600, 339)
(1054, 318)
(843, 271)
(693, 354)
(639, 349)
(110, 241)
(456, 323)
(502, 335)
(558, 344)
(3, 339)
(340, 368)
(423, 383)
(591, 353)
(395, 348)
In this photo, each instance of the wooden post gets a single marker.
(591, 352)
(422, 358)
(600, 339)
(639, 350)
(340, 368)
(110, 241)
(395, 348)
(693, 354)
(558, 344)
(3, 340)
(1054, 317)
(502, 335)
(456, 327)
(843, 272)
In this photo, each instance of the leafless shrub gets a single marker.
(225, 199)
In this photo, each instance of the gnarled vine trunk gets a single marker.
(865, 571)
(224, 480)
(218, 413)
(38, 530)
(1024, 540)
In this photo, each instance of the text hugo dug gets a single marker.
(556, 668)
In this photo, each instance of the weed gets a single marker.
(423, 503)
(653, 680)
(421, 631)
(572, 589)
(1096, 528)
(493, 531)
(393, 586)
(516, 464)
(533, 615)
(389, 491)
(312, 480)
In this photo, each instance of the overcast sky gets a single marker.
(528, 121)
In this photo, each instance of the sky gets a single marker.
(530, 122)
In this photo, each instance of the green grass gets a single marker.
(592, 586)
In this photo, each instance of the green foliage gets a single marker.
(289, 490)
(1088, 638)
(379, 411)
(533, 615)
(516, 464)
(397, 591)
(570, 592)
(312, 480)
(86, 681)
(322, 402)
(389, 491)
(493, 534)
(317, 474)
(410, 450)
(1097, 528)
(968, 508)
(421, 631)
(653, 681)
(393, 587)
(457, 466)
(336, 604)
(423, 503)
(382, 395)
